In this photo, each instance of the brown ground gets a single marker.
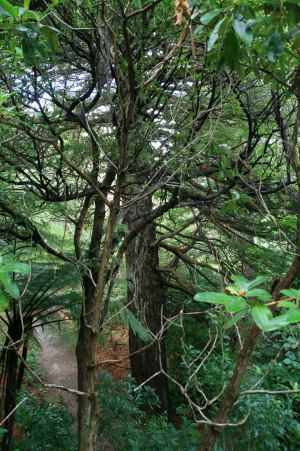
(116, 349)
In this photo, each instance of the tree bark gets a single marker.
(88, 406)
(11, 372)
(146, 298)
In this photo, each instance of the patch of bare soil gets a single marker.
(116, 349)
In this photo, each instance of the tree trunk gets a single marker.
(88, 406)
(11, 372)
(146, 297)
(233, 389)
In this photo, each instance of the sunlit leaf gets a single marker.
(15, 267)
(13, 290)
(276, 46)
(262, 316)
(243, 31)
(287, 304)
(291, 293)
(293, 315)
(260, 294)
(235, 304)
(212, 298)
(208, 17)
(9, 8)
(214, 36)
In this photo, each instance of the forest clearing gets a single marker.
(149, 225)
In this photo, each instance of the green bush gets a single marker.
(125, 424)
(46, 426)
(272, 425)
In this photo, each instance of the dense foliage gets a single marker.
(150, 179)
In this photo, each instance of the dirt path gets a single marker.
(59, 365)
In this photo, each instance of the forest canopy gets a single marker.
(149, 225)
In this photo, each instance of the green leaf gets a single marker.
(257, 281)
(208, 17)
(242, 284)
(277, 322)
(231, 49)
(3, 301)
(15, 267)
(13, 290)
(26, 4)
(212, 298)
(243, 31)
(293, 315)
(9, 8)
(31, 15)
(214, 36)
(275, 47)
(50, 34)
(251, 22)
(260, 294)
(28, 50)
(261, 315)
(235, 304)
(5, 278)
(291, 293)
(286, 304)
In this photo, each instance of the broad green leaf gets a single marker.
(251, 22)
(214, 36)
(257, 281)
(9, 8)
(293, 315)
(262, 316)
(231, 49)
(235, 304)
(5, 278)
(3, 301)
(287, 304)
(13, 290)
(30, 15)
(277, 323)
(291, 293)
(275, 47)
(28, 50)
(243, 31)
(242, 284)
(15, 267)
(212, 298)
(51, 35)
(208, 17)
(260, 294)
(26, 4)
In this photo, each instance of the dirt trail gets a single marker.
(59, 365)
